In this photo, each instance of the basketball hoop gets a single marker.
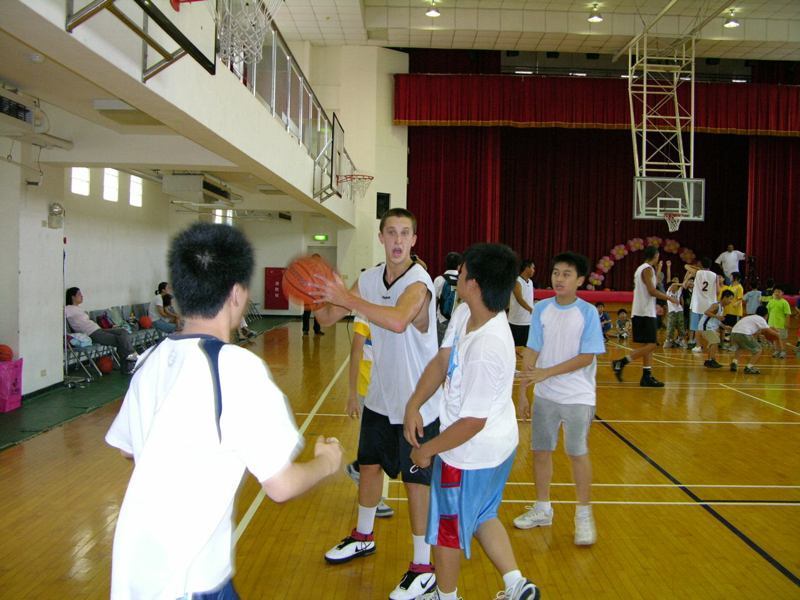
(673, 221)
(357, 183)
(242, 27)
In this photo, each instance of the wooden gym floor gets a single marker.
(697, 494)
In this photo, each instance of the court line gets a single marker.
(658, 485)
(702, 503)
(251, 510)
(699, 501)
(760, 399)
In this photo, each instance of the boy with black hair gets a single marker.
(199, 411)
(645, 323)
(744, 336)
(398, 301)
(560, 360)
(605, 320)
(444, 287)
(709, 326)
(474, 451)
(520, 305)
(704, 292)
(623, 324)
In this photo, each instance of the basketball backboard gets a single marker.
(654, 197)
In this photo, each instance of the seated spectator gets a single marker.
(80, 322)
(162, 320)
(168, 307)
(605, 319)
(244, 332)
(624, 325)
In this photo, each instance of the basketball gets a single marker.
(6, 353)
(770, 334)
(146, 322)
(299, 278)
(105, 364)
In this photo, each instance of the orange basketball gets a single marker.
(299, 278)
(105, 364)
(145, 322)
(6, 353)
(770, 334)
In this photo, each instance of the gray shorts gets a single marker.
(746, 342)
(547, 419)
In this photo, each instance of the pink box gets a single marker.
(10, 385)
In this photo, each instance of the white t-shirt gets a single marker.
(707, 323)
(676, 295)
(152, 310)
(559, 333)
(79, 320)
(644, 304)
(399, 358)
(705, 291)
(438, 286)
(480, 378)
(730, 261)
(174, 531)
(750, 325)
(516, 314)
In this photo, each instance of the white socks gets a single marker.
(366, 519)
(510, 578)
(545, 506)
(422, 550)
(448, 595)
(583, 510)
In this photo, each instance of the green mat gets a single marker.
(51, 408)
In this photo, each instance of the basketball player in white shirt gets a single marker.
(397, 299)
(645, 328)
(729, 260)
(704, 293)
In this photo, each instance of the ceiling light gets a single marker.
(595, 16)
(433, 11)
(523, 72)
(731, 21)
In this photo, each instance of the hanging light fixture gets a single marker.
(433, 11)
(595, 16)
(731, 21)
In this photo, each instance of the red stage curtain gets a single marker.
(773, 208)
(573, 190)
(454, 189)
(492, 100)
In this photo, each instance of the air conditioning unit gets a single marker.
(16, 115)
(199, 190)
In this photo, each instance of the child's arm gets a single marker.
(529, 358)
(712, 310)
(356, 352)
(534, 375)
(459, 432)
(432, 378)
(520, 299)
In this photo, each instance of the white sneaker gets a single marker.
(418, 580)
(383, 510)
(352, 472)
(433, 595)
(522, 590)
(697, 350)
(534, 518)
(585, 532)
(668, 344)
(353, 546)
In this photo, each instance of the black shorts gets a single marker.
(730, 320)
(382, 443)
(645, 330)
(520, 334)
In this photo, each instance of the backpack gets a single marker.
(447, 297)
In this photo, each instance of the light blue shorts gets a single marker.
(694, 321)
(461, 500)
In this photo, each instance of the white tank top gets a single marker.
(516, 314)
(705, 291)
(644, 305)
(398, 359)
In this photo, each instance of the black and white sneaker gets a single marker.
(417, 580)
(353, 546)
(618, 365)
(650, 381)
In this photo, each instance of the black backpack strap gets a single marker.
(211, 348)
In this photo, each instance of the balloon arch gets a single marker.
(620, 251)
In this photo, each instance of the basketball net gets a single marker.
(242, 26)
(357, 183)
(673, 221)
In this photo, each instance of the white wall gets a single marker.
(10, 200)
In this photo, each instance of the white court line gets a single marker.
(702, 422)
(643, 502)
(659, 485)
(760, 399)
(251, 510)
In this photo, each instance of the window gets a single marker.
(136, 191)
(80, 181)
(224, 217)
(110, 185)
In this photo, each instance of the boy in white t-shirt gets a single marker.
(561, 360)
(199, 411)
(744, 336)
(474, 451)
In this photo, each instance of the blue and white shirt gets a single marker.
(559, 333)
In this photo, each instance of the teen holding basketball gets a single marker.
(397, 300)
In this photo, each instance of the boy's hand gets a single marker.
(533, 375)
(413, 427)
(420, 457)
(523, 405)
(330, 290)
(353, 407)
(330, 451)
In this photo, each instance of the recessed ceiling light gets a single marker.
(595, 16)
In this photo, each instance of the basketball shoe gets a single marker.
(534, 517)
(418, 580)
(353, 546)
(522, 590)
